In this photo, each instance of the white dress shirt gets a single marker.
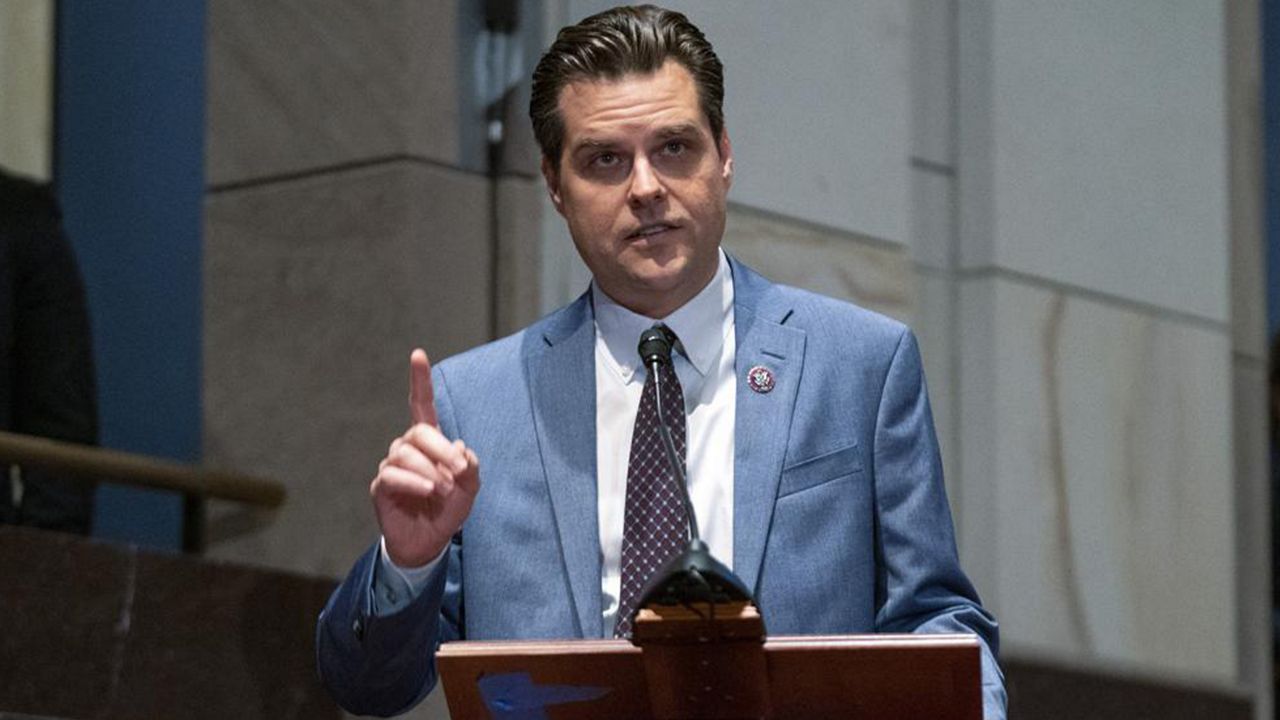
(705, 327)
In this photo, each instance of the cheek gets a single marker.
(593, 213)
(588, 227)
(591, 228)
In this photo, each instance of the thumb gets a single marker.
(422, 397)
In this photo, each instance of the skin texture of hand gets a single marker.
(426, 484)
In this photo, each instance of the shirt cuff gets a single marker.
(394, 587)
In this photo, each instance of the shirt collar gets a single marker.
(701, 324)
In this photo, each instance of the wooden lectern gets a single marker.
(713, 661)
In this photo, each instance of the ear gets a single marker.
(552, 177)
(726, 158)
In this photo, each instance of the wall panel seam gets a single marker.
(1222, 327)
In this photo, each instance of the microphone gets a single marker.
(655, 351)
(692, 575)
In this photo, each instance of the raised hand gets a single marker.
(426, 484)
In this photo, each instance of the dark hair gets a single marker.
(616, 42)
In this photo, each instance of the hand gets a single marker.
(426, 485)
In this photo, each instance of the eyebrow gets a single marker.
(592, 143)
(682, 129)
(670, 131)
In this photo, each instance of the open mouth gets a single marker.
(648, 231)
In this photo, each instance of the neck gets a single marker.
(658, 306)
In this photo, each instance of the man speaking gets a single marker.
(523, 502)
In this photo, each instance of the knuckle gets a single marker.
(415, 435)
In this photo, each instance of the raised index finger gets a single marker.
(422, 397)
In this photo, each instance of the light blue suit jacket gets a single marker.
(840, 521)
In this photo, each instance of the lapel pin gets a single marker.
(760, 379)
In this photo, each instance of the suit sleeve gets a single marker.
(385, 664)
(919, 584)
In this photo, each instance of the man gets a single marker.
(809, 445)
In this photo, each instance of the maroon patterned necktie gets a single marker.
(655, 524)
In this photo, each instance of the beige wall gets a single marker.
(26, 87)
(340, 232)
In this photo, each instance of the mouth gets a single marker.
(650, 230)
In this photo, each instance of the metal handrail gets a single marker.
(137, 470)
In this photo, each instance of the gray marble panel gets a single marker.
(1107, 147)
(1251, 391)
(817, 105)
(933, 222)
(977, 494)
(932, 37)
(975, 133)
(301, 84)
(315, 292)
(563, 274)
(934, 323)
(520, 220)
(874, 275)
(1254, 513)
(1094, 441)
(1247, 159)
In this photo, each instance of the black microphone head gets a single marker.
(655, 345)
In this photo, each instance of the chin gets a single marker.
(665, 275)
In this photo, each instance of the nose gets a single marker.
(646, 185)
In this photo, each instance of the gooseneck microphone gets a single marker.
(693, 575)
(655, 351)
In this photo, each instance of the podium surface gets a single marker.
(852, 676)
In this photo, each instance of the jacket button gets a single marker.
(357, 627)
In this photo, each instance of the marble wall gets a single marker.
(344, 226)
(1251, 419)
(1094, 226)
(1099, 433)
(315, 291)
(302, 85)
(1075, 441)
(335, 190)
(1106, 147)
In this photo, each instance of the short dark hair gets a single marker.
(614, 43)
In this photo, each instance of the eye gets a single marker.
(605, 160)
(674, 147)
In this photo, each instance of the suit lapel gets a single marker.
(762, 419)
(561, 377)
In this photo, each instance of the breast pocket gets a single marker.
(820, 470)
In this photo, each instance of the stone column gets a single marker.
(1097, 459)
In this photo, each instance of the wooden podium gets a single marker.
(687, 663)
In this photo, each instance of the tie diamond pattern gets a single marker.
(655, 525)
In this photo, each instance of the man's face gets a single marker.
(642, 185)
